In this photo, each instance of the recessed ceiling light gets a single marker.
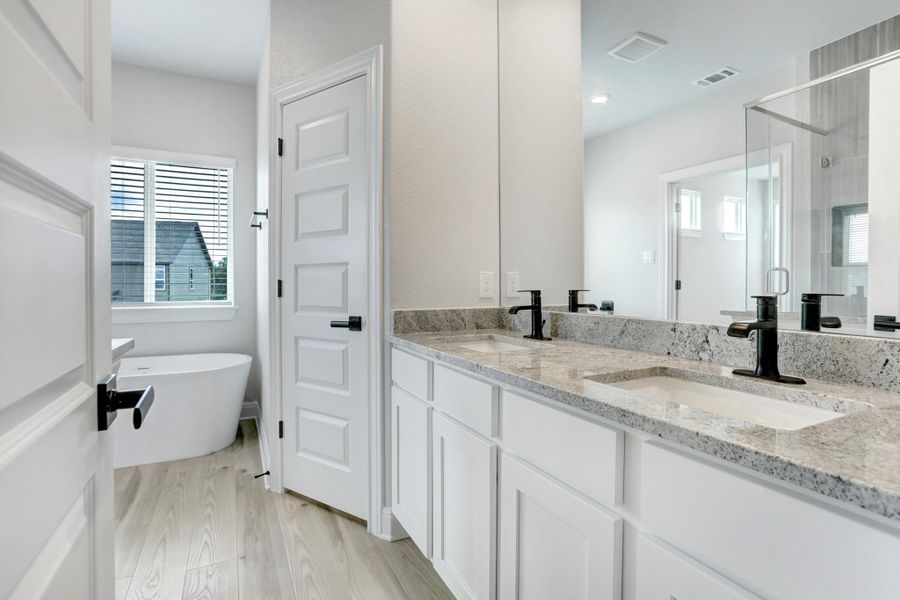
(602, 98)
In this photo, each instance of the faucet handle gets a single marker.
(535, 295)
(815, 296)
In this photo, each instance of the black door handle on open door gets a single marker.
(352, 323)
(110, 400)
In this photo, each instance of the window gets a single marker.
(689, 203)
(850, 235)
(170, 238)
(161, 277)
(734, 225)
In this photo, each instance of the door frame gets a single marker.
(368, 63)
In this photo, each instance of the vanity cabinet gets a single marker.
(465, 509)
(777, 540)
(411, 466)
(517, 498)
(553, 543)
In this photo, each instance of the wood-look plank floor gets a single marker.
(205, 529)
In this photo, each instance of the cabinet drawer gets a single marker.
(470, 401)
(664, 574)
(588, 456)
(410, 373)
(764, 536)
(411, 466)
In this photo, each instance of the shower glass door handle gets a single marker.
(787, 281)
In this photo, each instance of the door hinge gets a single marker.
(678, 207)
(280, 429)
(280, 146)
(677, 284)
(279, 289)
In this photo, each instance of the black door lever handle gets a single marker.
(110, 400)
(353, 323)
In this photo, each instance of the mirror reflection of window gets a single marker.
(690, 203)
(850, 235)
(734, 221)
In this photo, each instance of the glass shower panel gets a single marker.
(807, 188)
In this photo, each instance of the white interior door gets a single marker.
(325, 270)
(56, 493)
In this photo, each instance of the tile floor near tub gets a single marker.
(205, 528)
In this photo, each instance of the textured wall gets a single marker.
(541, 149)
(444, 213)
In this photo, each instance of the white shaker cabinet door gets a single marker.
(465, 509)
(553, 543)
(411, 466)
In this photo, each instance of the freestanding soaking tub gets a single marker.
(195, 412)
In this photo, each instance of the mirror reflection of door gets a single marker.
(709, 250)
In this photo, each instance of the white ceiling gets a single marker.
(218, 39)
(704, 35)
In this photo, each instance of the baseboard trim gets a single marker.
(250, 410)
(391, 529)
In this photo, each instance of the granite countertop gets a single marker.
(854, 459)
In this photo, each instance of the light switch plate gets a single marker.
(486, 284)
(512, 284)
(649, 257)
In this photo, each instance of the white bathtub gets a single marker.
(195, 412)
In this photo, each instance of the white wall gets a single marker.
(541, 150)
(264, 275)
(165, 111)
(443, 152)
(621, 187)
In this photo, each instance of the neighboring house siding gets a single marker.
(180, 247)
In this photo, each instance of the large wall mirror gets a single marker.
(677, 158)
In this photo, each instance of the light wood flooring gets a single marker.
(204, 528)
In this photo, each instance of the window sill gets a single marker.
(735, 237)
(173, 314)
(691, 232)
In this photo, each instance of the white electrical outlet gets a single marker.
(486, 284)
(512, 284)
(649, 257)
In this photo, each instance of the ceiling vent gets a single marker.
(718, 77)
(637, 47)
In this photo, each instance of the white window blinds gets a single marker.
(857, 238)
(169, 232)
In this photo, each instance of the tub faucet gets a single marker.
(766, 328)
(537, 319)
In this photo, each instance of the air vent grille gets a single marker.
(718, 77)
(637, 47)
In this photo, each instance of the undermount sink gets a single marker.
(492, 343)
(756, 408)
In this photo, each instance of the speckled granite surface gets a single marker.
(827, 356)
(855, 458)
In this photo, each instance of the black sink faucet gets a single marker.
(537, 319)
(766, 328)
(574, 304)
(811, 318)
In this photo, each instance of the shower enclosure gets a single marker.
(823, 194)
